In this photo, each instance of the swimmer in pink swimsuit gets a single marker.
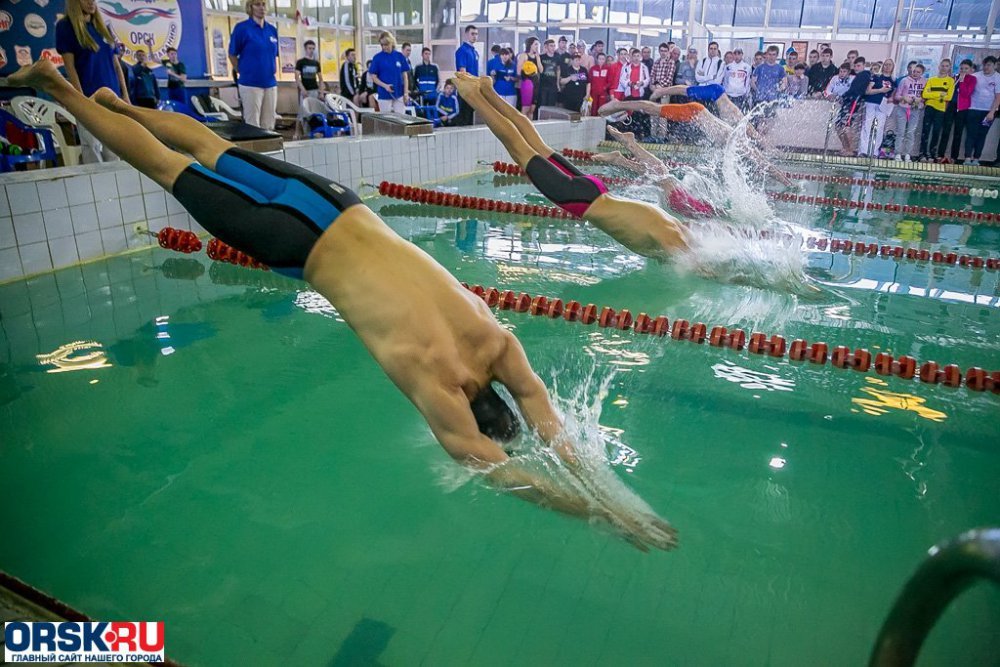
(639, 226)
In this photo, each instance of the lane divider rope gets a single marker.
(758, 343)
(889, 251)
(860, 359)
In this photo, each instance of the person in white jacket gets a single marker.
(634, 77)
(736, 80)
(709, 68)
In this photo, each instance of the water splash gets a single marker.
(723, 252)
(608, 501)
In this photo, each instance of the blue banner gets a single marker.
(28, 32)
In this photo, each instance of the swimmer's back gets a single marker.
(681, 113)
(414, 316)
(639, 226)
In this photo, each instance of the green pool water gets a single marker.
(219, 452)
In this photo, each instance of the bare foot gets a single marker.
(107, 99)
(42, 75)
(468, 87)
(624, 137)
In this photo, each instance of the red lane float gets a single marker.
(180, 240)
(221, 252)
(882, 185)
(508, 169)
(438, 198)
(842, 357)
(982, 217)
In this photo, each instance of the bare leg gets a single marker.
(674, 90)
(644, 157)
(177, 130)
(520, 121)
(499, 124)
(645, 106)
(125, 137)
(616, 159)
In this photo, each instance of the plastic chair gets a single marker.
(212, 112)
(42, 113)
(341, 104)
(318, 120)
(37, 144)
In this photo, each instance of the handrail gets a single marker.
(950, 568)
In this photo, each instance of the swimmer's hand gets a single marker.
(642, 530)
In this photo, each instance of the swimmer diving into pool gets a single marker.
(643, 162)
(715, 129)
(436, 341)
(640, 227)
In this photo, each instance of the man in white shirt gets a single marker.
(710, 67)
(736, 80)
(982, 109)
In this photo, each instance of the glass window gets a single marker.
(785, 13)
(594, 10)
(472, 11)
(885, 14)
(970, 15)
(497, 11)
(624, 11)
(442, 19)
(657, 12)
(562, 10)
(926, 14)
(591, 35)
(378, 12)
(532, 12)
(408, 12)
(720, 12)
(653, 39)
(624, 37)
(817, 14)
(501, 36)
(750, 12)
(856, 13)
(680, 12)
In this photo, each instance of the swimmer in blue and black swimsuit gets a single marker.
(272, 210)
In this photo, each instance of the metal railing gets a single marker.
(949, 569)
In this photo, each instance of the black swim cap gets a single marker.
(495, 418)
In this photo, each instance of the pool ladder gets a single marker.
(948, 570)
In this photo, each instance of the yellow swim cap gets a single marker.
(529, 68)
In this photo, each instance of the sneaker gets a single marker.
(906, 158)
(972, 163)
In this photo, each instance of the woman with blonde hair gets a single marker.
(253, 54)
(85, 44)
(388, 73)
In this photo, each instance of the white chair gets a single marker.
(353, 111)
(42, 113)
(219, 110)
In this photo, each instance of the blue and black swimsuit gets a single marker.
(271, 210)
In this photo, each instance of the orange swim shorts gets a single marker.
(681, 113)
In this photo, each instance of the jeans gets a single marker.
(954, 124)
(930, 133)
(975, 133)
(907, 129)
